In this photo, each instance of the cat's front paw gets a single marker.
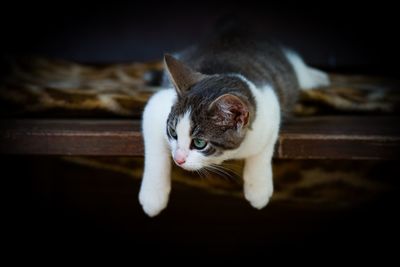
(153, 200)
(258, 194)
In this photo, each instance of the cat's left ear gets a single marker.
(230, 111)
(181, 76)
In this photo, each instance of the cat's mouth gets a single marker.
(188, 167)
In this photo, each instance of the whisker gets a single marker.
(233, 171)
(222, 173)
(232, 174)
(198, 173)
(205, 172)
(221, 170)
(210, 171)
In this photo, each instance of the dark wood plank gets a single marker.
(340, 137)
(71, 137)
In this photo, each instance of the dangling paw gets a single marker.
(153, 199)
(258, 196)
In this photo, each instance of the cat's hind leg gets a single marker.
(156, 183)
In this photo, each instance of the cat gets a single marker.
(223, 99)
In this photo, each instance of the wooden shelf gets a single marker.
(328, 137)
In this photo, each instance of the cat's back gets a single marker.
(260, 60)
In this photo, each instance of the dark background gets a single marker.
(55, 209)
(345, 35)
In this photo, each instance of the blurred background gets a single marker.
(334, 34)
(57, 208)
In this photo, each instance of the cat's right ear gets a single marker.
(181, 76)
(229, 110)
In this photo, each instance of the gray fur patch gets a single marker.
(199, 98)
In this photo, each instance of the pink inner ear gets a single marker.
(230, 110)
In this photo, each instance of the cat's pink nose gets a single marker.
(180, 157)
(180, 161)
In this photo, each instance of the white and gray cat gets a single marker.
(225, 101)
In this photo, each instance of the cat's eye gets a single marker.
(199, 143)
(172, 132)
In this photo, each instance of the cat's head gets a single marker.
(210, 117)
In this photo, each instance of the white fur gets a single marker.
(183, 130)
(308, 77)
(195, 160)
(256, 149)
(156, 183)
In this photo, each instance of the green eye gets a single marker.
(172, 132)
(199, 143)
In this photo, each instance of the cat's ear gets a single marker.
(181, 76)
(230, 111)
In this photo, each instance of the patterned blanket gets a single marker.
(60, 88)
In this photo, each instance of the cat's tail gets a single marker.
(308, 77)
